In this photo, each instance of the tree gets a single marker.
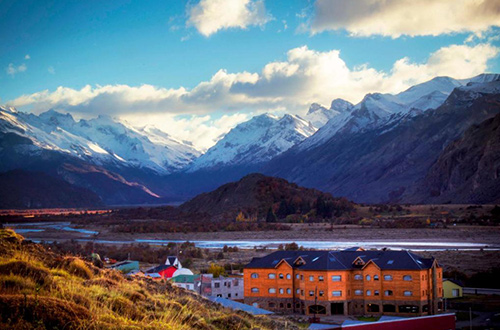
(216, 270)
(271, 217)
(240, 217)
(291, 247)
(283, 209)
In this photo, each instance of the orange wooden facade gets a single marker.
(363, 291)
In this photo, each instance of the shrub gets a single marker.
(15, 283)
(39, 275)
(77, 267)
(53, 313)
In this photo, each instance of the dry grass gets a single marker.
(40, 290)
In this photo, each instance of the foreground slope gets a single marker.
(42, 290)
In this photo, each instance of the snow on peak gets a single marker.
(254, 141)
(378, 109)
(341, 105)
(101, 140)
(315, 107)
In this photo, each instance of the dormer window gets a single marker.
(358, 262)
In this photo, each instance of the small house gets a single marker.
(184, 281)
(164, 271)
(452, 288)
(126, 266)
(173, 261)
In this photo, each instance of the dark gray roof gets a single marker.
(343, 260)
(171, 259)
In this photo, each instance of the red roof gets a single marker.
(167, 272)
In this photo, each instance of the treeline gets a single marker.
(302, 210)
(140, 227)
(146, 253)
(484, 279)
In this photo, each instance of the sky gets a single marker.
(195, 69)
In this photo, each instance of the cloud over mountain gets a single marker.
(304, 77)
(405, 17)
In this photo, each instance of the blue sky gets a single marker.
(177, 48)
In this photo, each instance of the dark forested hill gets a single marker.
(261, 197)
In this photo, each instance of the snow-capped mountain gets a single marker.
(255, 141)
(101, 140)
(318, 115)
(410, 156)
(377, 109)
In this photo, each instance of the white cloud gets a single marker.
(405, 17)
(12, 69)
(51, 70)
(210, 16)
(306, 76)
(27, 57)
(203, 130)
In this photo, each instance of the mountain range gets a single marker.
(430, 143)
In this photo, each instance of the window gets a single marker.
(375, 277)
(271, 305)
(455, 292)
(388, 292)
(216, 285)
(376, 293)
(387, 277)
(281, 305)
(301, 277)
(255, 290)
(368, 277)
(288, 305)
(321, 293)
(229, 295)
(358, 292)
(423, 278)
(302, 292)
(297, 276)
(368, 292)
(236, 295)
(271, 275)
(337, 293)
(288, 276)
(311, 293)
(358, 277)
(236, 283)
(311, 278)
(289, 291)
(272, 290)
(321, 278)
(407, 278)
(336, 278)
(390, 262)
(281, 276)
(282, 291)
(297, 291)
(407, 293)
(408, 309)
(254, 275)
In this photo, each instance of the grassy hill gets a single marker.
(42, 290)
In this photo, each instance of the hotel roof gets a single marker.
(343, 260)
